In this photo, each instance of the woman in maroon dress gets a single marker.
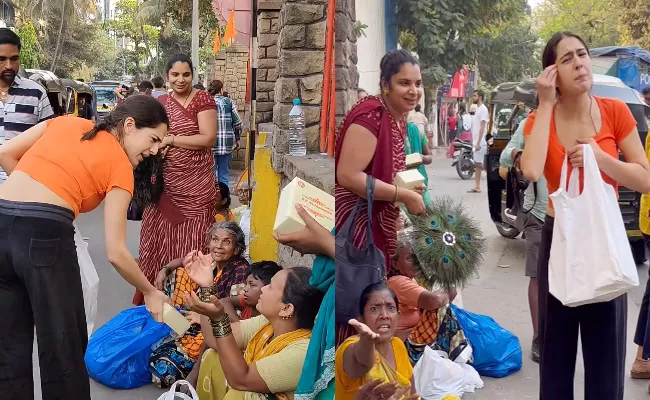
(371, 142)
(177, 224)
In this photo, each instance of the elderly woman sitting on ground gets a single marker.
(226, 269)
(274, 343)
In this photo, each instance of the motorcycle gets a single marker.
(463, 159)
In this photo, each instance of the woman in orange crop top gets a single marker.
(567, 117)
(58, 169)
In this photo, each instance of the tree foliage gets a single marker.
(634, 22)
(31, 55)
(596, 21)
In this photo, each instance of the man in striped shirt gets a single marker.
(23, 103)
(229, 127)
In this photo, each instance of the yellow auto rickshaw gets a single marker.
(80, 99)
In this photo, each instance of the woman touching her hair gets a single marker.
(568, 116)
(58, 169)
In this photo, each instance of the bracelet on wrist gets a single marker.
(168, 268)
(396, 194)
(205, 293)
(221, 327)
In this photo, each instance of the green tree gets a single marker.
(633, 22)
(514, 52)
(450, 34)
(596, 21)
(31, 50)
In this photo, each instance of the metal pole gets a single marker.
(253, 95)
(195, 40)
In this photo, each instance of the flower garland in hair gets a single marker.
(447, 244)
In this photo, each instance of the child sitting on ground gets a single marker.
(223, 203)
(259, 275)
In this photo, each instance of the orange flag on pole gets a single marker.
(229, 35)
(217, 42)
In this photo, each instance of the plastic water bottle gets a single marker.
(297, 134)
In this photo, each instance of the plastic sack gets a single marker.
(436, 377)
(118, 352)
(497, 352)
(597, 266)
(173, 395)
(89, 280)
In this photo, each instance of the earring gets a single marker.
(385, 92)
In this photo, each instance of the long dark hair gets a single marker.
(550, 51)
(215, 87)
(146, 111)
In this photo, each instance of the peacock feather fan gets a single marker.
(447, 244)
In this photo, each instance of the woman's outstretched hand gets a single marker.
(314, 239)
(413, 201)
(214, 309)
(363, 330)
(380, 390)
(154, 302)
(200, 269)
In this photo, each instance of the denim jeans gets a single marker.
(40, 286)
(222, 167)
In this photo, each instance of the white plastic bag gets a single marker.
(173, 395)
(591, 260)
(436, 376)
(89, 280)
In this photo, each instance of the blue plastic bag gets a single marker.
(497, 352)
(118, 352)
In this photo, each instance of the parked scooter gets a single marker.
(463, 159)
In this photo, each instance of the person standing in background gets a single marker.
(452, 123)
(361, 93)
(646, 95)
(158, 87)
(23, 102)
(479, 130)
(228, 131)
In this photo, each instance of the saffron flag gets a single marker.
(229, 35)
(217, 42)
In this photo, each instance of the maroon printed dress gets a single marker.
(177, 224)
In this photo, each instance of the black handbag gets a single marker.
(356, 268)
(149, 186)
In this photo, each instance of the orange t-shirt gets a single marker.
(80, 172)
(617, 124)
(408, 292)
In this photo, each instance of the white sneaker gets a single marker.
(509, 214)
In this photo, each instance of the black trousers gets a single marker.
(40, 286)
(642, 334)
(602, 328)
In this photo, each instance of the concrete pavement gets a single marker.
(501, 291)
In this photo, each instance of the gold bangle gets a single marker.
(221, 327)
(396, 194)
(172, 140)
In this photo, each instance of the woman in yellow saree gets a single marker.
(275, 342)
(375, 353)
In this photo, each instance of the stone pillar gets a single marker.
(347, 76)
(268, 23)
(301, 59)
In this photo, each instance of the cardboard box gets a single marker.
(316, 202)
(175, 320)
(413, 160)
(409, 179)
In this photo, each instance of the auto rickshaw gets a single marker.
(106, 99)
(525, 94)
(499, 132)
(75, 92)
(56, 92)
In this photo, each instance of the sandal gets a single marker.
(474, 190)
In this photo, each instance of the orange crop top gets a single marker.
(80, 172)
(617, 124)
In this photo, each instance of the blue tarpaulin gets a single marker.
(633, 64)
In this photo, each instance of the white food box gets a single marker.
(409, 179)
(413, 160)
(175, 320)
(316, 202)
